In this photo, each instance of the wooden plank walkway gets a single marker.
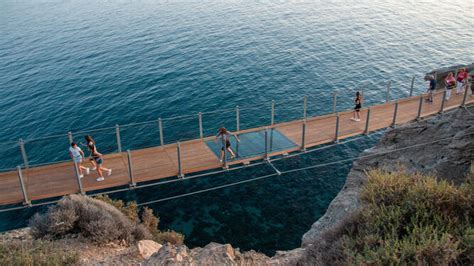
(162, 162)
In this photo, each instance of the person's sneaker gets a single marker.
(81, 176)
(353, 119)
(109, 172)
(100, 179)
(88, 170)
(221, 161)
(358, 120)
(94, 168)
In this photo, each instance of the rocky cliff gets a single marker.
(442, 145)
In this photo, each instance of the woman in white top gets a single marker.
(77, 155)
(225, 135)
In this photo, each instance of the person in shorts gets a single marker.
(77, 155)
(96, 159)
(461, 80)
(450, 83)
(225, 135)
(358, 106)
(431, 87)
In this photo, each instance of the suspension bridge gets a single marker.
(194, 157)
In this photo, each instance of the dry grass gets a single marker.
(35, 253)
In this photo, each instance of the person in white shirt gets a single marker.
(77, 155)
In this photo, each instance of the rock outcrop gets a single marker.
(212, 254)
(147, 248)
(448, 156)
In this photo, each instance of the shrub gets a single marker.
(171, 237)
(405, 219)
(95, 220)
(35, 253)
(151, 222)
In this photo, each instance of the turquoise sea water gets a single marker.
(76, 65)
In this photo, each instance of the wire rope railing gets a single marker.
(277, 173)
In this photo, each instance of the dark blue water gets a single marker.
(81, 65)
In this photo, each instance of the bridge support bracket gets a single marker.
(272, 166)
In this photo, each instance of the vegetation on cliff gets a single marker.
(100, 220)
(405, 219)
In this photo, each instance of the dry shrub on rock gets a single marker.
(95, 220)
(405, 220)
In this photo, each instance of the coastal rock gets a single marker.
(448, 156)
(211, 254)
(146, 248)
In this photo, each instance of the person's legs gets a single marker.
(99, 168)
(448, 94)
(358, 114)
(94, 165)
(222, 154)
(232, 154)
(459, 87)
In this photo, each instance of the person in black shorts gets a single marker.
(96, 158)
(358, 106)
(225, 135)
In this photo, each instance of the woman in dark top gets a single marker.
(358, 106)
(96, 159)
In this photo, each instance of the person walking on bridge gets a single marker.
(461, 80)
(96, 158)
(431, 87)
(225, 135)
(450, 83)
(358, 106)
(77, 155)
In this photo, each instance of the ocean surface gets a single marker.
(85, 66)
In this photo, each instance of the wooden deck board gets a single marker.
(162, 162)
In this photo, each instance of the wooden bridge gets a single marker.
(180, 159)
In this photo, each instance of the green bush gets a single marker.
(406, 219)
(35, 253)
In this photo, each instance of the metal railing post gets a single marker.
(21, 142)
(388, 91)
(303, 136)
(180, 168)
(366, 131)
(273, 113)
(70, 138)
(466, 90)
(237, 117)
(201, 133)
(334, 102)
(265, 156)
(412, 84)
(336, 138)
(420, 106)
(79, 182)
(130, 169)
(160, 128)
(23, 188)
(117, 134)
(305, 106)
(441, 110)
(395, 114)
